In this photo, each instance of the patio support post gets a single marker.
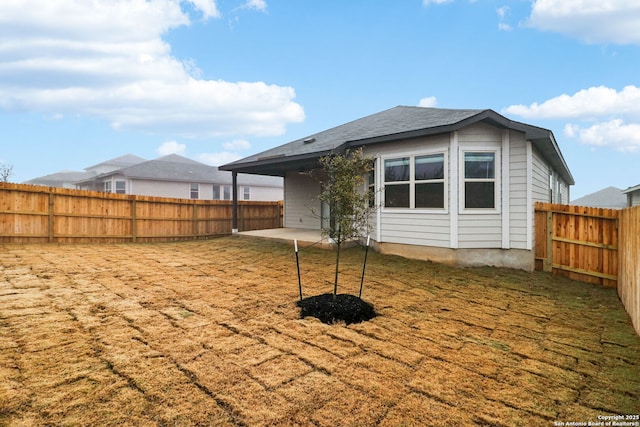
(234, 209)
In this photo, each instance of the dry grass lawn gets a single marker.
(208, 333)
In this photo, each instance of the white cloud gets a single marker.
(107, 59)
(171, 147)
(259, 5)
(207, 7)
(220, 158)
(614, 133)
(605, 116)
(594, 21)
(237, 144)
(429, 101)
(587, 103)
(502, 14)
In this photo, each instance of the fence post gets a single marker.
(194, 223)
(50, 231)
(134, 223)
(548, 261)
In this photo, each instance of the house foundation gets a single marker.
(510, 258)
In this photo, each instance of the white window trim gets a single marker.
(412, 182)
(497, 178)
(191, 191)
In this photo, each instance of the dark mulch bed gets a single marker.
(346, 308)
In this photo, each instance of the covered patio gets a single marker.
(305, 237)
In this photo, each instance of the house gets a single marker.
(456, 186)
(633, 196)
(179, 177)
(68, 179)
(610, 198)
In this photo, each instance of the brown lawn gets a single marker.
(208, 333)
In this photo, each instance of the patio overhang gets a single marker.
(278, 165)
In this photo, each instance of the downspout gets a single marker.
(234, 209)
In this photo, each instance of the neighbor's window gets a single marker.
(246, 193)
(226, 192)
(107, 186)
(195, 190)
(216, 192)
(415, 182)
(121, 187)
(480, 180)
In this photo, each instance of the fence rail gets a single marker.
(30, 214)
(578, 242)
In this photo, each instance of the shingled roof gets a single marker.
(395, 124)
(176, 168)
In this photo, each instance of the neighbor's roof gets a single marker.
(120, 162)
(397, 123)
(631, 189)
(59, 178)
(175, 168)
(610, 197)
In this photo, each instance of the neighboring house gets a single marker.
(457, 186)
(610, 198)
(633, 196)
(179, 177)
(68, 179)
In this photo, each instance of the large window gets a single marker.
(415, 182)
(222, 192)
(480, 180)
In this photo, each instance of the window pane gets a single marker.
(430, 167)
(227, 192)
(479, 165)
(430, 195)
(396, 196)
(479, 195)
(246, 193)
(121, 187)
(396, 170)
(194, 191)
(216, 192)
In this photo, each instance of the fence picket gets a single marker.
(91, 216)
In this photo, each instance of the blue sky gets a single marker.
(82, 82)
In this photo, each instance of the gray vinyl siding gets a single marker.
(416, 229)
(540, 176)
(480, 231)
(300, 197)
(517, 191)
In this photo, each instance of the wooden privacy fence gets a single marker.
(30, 214)
(629, 263)
(578, 242)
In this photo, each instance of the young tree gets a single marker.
(343, 179)
(6, 171)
